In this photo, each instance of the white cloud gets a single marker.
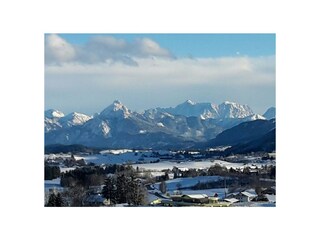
(57, 50)
(101, 49)
(146, 47)
(210, 71)
(144, 74)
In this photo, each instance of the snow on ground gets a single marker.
(118, 151)
(196, 164)
(170, 164)
(66, 169)
(210, 192)
(254, 204)
(152, 197)
(219, 149)
(188, 182)
(58, 155)
(126, 157)
(144, 159)
(157, 174)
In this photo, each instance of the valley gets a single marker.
(194, 154)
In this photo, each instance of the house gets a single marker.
(171, 176)
(191, 198)
(231, 200)
(245, 196)
(272, 155)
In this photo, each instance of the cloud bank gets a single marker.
(101, 49)
(143, 74)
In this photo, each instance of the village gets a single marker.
(159, 178)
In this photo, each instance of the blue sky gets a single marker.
(198, 45)
(86, 72)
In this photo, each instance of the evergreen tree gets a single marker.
(137, 193)
(122, 185)
(109, 190)
(75, 196)
(51, 172)
(59, 201)
(51, 201)
(55, 200)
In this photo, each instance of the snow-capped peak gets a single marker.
(117, 102)
(228, 103)
(52, 113)
(255, 117)
(74, 119)
(190, 102)
(116, 109)
(229, 109)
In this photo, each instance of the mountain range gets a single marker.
(116, 126)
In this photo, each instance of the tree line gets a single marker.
(121, 185)
(125, 187)
(90, 175)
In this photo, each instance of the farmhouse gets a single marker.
(231, 200)
(245, 196)
(191, 198)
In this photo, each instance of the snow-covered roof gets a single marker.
(183, 169)
(231, 200)
(197, 196)
(248, 194)
(251, 190)
(77, 158)
(271, 198)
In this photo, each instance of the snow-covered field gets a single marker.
(196, 164)
(126, 157)
(146, 160)
(170, 164)
(188, 182)
(157, 174)
(55, 156)
(120, 151)
(210, 192)
(254, 204)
